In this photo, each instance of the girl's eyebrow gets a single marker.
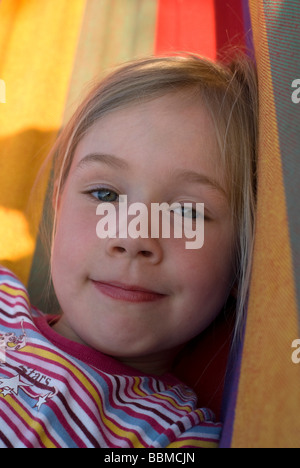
(196, 177)
(107, 159)
(179, 174)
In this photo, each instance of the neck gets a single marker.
(156, 364)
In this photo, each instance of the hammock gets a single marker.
(48, 52)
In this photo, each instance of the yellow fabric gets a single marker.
(38, 40)
(267, 411)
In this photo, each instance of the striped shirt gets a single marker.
(58, 393)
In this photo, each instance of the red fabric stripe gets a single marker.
(186, 25)
(230, 25)
(206, 27)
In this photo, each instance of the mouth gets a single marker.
(129, 293)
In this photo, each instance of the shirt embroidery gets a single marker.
(25, 379)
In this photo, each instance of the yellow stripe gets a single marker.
(15, 292)
(136, 387)
(82, 378)
(172, 402)
(35, 425)
(193, 443)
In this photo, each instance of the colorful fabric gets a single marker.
(56, 393)
(267, 380)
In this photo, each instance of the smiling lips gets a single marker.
(123, 292)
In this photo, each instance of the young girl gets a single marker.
(97, 374)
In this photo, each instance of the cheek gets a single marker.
(206, 276)
(204, 291)
(75, 236)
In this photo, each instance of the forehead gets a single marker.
(173, 129)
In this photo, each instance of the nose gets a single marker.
(132, 242)
(146, 249)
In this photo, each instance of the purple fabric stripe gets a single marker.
(230, 395)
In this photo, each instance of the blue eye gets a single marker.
(105, 195)
(187, 212)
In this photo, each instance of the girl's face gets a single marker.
(140, 300)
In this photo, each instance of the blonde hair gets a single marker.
(230, 95)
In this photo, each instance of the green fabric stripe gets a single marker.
(283, 29)
(112, 32)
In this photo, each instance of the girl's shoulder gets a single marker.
(14, 297)
(5, 272)
(10, 283)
